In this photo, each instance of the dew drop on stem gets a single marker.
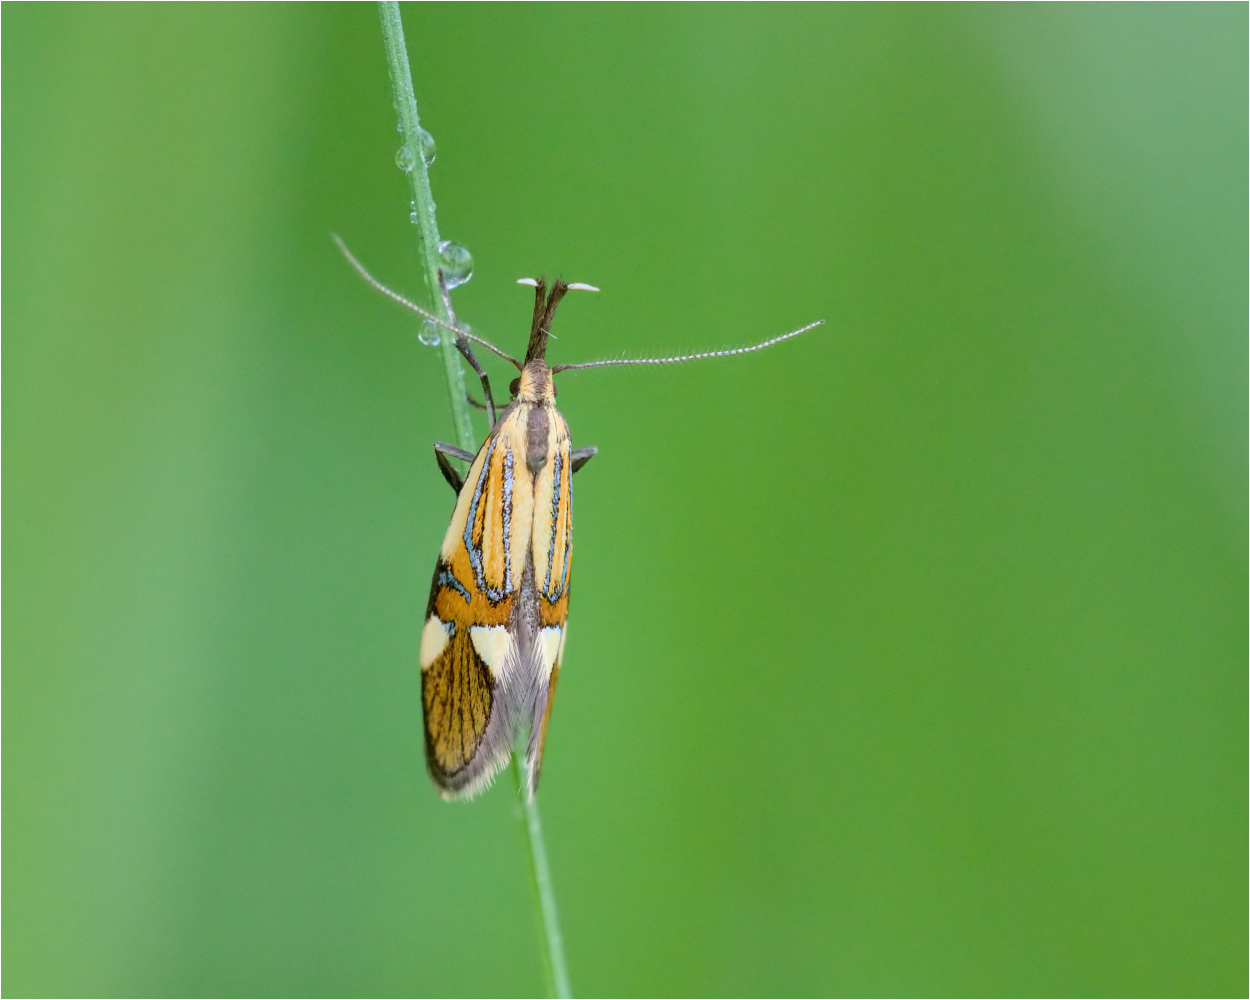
(456, 262)
(429, 334)
(426, 142)
(405, 159)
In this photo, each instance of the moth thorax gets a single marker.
(536, 384)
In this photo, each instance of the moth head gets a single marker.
(534, 384)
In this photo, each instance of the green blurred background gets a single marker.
(906, 658)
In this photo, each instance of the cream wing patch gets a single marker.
(433, 640)
(564, 634)
(552, 645)
(493, 645)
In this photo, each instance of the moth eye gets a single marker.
(555, 389)
(514, 386)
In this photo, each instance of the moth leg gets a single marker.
(443, 448)
(475, 403)
(462, 345)
(450, 472)
(580, 456)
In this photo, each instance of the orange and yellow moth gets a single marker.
(493, 636)
(499, 604)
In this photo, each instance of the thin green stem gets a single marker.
(554, 966)
(423, 211)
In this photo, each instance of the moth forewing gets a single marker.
(464, 689)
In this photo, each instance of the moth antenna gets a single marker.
(617, 362)
(424, 313)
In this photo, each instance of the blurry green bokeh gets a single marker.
(906, 658)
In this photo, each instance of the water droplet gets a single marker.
(404, 159)
(429, 334)
(456, 262)
(428, 149)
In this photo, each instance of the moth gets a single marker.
(493, 636)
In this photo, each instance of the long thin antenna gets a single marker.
(615, 362)
(425, 314)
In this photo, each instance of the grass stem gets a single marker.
(552, 943)
(554, 967)
(423, 211)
